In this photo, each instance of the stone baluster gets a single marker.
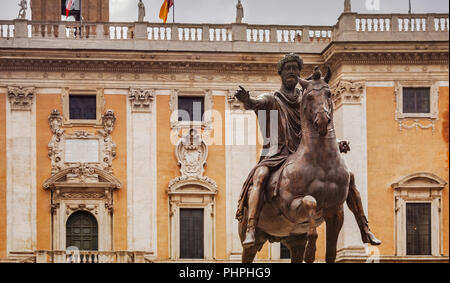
(59, 256)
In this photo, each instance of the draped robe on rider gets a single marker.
(276, 149)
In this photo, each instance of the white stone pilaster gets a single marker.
(141, 191)
(21, 170)
(240, 139)
(350, 124)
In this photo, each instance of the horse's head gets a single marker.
(316, 103)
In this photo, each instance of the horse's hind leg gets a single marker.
(296, 245)
(334, 221)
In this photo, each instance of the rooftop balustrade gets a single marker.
(224, 37)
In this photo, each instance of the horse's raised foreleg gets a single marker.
(334, 221)
(296, 245)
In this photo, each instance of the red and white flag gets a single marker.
(69, 7)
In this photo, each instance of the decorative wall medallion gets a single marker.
(21, 98)
(191, 152)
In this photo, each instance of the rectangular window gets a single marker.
(418, 229)
(416, 100)
(191, 233)
(82, 107)
(284, 252)
(190, 108)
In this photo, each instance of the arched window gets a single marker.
(82, 231)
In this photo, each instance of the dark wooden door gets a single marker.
(191, 233)
(418, 229)
(82, 231)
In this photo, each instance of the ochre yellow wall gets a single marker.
(2, 175)
(167, 170)
(118, 103)
(394, 154)
(45, 103)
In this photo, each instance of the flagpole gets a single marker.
(409, 7)
(173, 12)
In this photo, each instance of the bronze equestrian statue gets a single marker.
(301, 179)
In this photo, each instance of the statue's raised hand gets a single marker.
(242, 95)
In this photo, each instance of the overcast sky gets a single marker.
(288, 12)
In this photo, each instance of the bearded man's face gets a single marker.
(290, 74)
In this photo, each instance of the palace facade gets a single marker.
(97, 164)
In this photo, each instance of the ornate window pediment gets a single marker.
(419, 181)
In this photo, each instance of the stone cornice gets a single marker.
(387, 53)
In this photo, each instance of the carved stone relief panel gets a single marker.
(81, 147)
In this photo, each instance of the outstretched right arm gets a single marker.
(250, 103)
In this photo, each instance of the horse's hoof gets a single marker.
(310, 254)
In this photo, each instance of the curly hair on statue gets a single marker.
(288, 58)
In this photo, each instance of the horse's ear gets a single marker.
(303, 83)
(328, 75)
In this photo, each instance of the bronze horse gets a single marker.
(311, 186)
